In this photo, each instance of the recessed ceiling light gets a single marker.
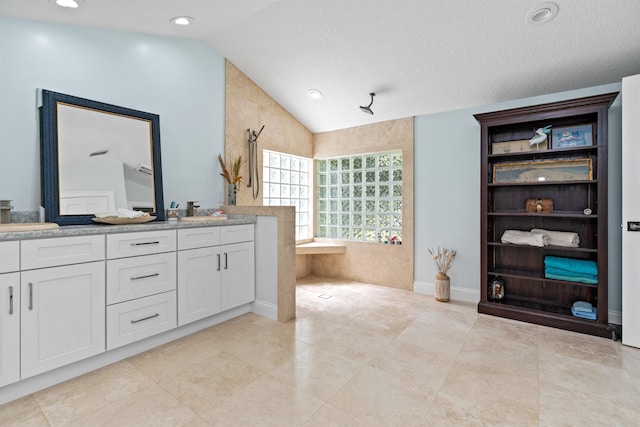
(542, 13)
(68, 3)
(314, 94)
(182, 20)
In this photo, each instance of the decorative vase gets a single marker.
(231, 194)
(443, 287)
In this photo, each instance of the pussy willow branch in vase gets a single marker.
(231, 176)
(443, 258)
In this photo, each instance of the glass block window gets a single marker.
(287, 182)
(360, 197)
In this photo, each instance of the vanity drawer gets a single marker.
(194, 238)
(236, 234)
(143, 243)
(9, 256)
(42, 253)
(130, 278)
(141, 318)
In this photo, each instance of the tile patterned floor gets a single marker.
(366, 356)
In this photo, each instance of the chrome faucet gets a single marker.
(191, 208)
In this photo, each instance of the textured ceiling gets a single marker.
(418, 56)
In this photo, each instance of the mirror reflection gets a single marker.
(105, 162)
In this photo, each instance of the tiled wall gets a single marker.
(249, 106)
(388, 265)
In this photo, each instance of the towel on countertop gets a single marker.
(560, 272)
(591, 315)
(126, 213)
(121, 213)
(560, 238)
(572, 265)
(524, 238)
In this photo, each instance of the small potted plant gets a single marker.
(232, 176)
(443, 258)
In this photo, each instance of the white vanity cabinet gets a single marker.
(9, 312)
(62, 311)
(141, 285)
(215, 270)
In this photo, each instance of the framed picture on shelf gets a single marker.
(543, 171)
(574, 136)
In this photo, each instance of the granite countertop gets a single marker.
(92, 229)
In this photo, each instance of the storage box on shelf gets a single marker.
(574, 177)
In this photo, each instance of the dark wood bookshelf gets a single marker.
(529, 296)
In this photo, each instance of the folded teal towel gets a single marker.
(565, 273)
(592, 315)
(570, 279)
(572, 265)
(583, 306)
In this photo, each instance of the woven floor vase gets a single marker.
(443, 287)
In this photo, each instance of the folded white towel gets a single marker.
(126, 213)
(107, 214)
(560, 238)
(524, 238)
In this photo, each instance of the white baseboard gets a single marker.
(265, 309)
(472, 295)
(456, 292)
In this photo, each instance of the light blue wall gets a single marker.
(181, 80)
(447, 189)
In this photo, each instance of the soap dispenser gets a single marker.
(191, 208)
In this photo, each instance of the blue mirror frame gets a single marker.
(50, 168)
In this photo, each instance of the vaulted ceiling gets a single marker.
(418, 56)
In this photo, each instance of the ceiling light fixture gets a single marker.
(542, 14)
(68, 3)
(314, 94)
(367, 109)
(182, 20)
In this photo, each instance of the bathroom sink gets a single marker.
(202, 218)
(28, 226)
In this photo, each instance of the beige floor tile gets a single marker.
(265, 351)
(88, 393)
(152, 406)
(266, 402)
(449, 411)
(411, 363)
(369, 355)
(166, 361)
(631, 360)
(445, 332)
(311, 330)
(588, 377)
(318, 372)
(23, 412)
(212, 381)
(330, 416)
(358, 344)
(560, 407)
(509, 397)
(386, 398)
(580, 346)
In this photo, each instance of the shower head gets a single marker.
(367, 109)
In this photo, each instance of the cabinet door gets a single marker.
(238, 275)
(9, 328)
(63, 316)
(198, 283)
